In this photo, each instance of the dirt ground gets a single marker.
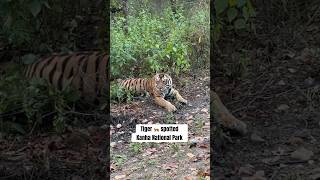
(79, 153)
(163, 160)
(279, 99)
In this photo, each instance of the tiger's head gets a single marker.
(163, 83)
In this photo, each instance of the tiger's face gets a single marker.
(163, 83)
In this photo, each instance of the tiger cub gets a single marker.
(159, 87)
(86, 72)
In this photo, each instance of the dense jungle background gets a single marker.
(266, 69)
(152, 36)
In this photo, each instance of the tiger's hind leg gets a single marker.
(166, 104)
(225, 118)
(176, 94)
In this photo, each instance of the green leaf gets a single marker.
(251, 10)
(8, 21)
(232, 3)
(19, 128)
(245, 13)
(232, 13)
(57, 7)
(34, 7)
(174, 49)
(216, 32)
(45, 2)
(221, 5)
(240, 24)
(241, 3)
(16, 127)
(28, 58)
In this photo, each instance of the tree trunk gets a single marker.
(125, 12)
(173, 6)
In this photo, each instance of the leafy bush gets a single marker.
(19, 19)
(135, 148)
(233, 15)
(44, 25)
(199, 34)
(119, 94)
(155, 43)
(35, 101)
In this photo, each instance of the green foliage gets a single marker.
(10, 90)
(42, 25)
(120, 159)
(20, 19)
(28, 105)
(59, 123)
(175, 148)
(151, 162)
(152, 145)
(238, 69)
(156, 43)
(233, 15)
(136, 147)
(199, 123)
(199, 32)
(119, 94)
(170, 118)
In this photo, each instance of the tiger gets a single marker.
(87, 72)
(159, 87)
(224, 117)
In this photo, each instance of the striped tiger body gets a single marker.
(87, 72)
(159, 87)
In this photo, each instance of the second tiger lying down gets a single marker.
(159, 87)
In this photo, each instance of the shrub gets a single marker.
(27, 105)
(233, 15)
(155, 43)
(45, 25)
(119, 94)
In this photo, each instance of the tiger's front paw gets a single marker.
(171, 108)
(184, 101)
(228, 121)
(239, 127)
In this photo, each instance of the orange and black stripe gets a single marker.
(88, 72)
(137, 85)
(149, 85)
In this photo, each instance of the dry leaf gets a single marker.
(203, 173)
(150, 151)
(169, 166)
(190, 155)
(203, 145)
(120, 176)
(188, 178)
